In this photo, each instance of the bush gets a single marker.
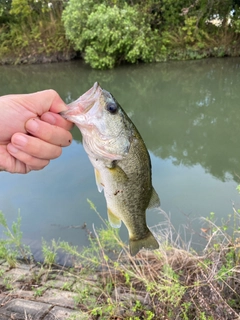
(75, 17)
(113, 34)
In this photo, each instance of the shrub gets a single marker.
(113, 34)
(75, 17)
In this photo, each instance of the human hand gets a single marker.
(31, 130)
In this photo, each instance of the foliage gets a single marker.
(12, 248)
(109, 32)
(210, 9)
(187, 36)
(75, 17)
(109, 35)
(5, 7)
(21, 9)
(45, 38)
(49, 253)
(171, 13)
(31, 28)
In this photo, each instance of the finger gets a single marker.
(35, 147)
(9, 163)
(56, 119)
(49, 133)
(20, 162)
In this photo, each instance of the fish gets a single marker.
(121, 163)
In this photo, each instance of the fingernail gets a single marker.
(32, 125)
(63, 107)
(48, 117)
(12, 149)
(19, 140)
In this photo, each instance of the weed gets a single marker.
(185, 310)
(37, 274)
(49, 253)
(67, 286)
(38, 292)
(12, 247)
(227, 268)
(7, 282)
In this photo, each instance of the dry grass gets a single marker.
(173, 282)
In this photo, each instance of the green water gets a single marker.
(188, 114)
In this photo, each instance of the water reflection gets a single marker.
(187, 113)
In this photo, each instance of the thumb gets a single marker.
(43, 101)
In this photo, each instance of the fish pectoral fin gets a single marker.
(98, 180)
(148, 242)
(118, 173)
(154, 200)
(114, 221)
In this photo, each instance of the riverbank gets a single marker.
(105, 282)
(181, 287)
(38, 58)
(178, 54)
(174, 54)
(30, 291)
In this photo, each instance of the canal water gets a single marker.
(188, 114)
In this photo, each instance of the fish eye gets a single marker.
(112, 108)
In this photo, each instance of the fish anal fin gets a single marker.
(98, 180)
(114, 221)
(149, 242)
(154, 200)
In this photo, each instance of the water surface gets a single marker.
(188, 115)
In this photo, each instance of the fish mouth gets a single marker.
(87, 100)
(83, 104)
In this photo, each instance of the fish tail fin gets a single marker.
(148, 242)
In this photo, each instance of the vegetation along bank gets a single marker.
(106, 33)
(106, 282)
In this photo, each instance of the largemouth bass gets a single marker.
(121, 163)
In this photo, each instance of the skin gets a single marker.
(31, 131)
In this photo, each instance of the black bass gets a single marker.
(121, 162)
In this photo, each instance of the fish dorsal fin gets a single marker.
(114, 221)
(98, 180)
(154, 201)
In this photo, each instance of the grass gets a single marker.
(174, 282)
(12, 248)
